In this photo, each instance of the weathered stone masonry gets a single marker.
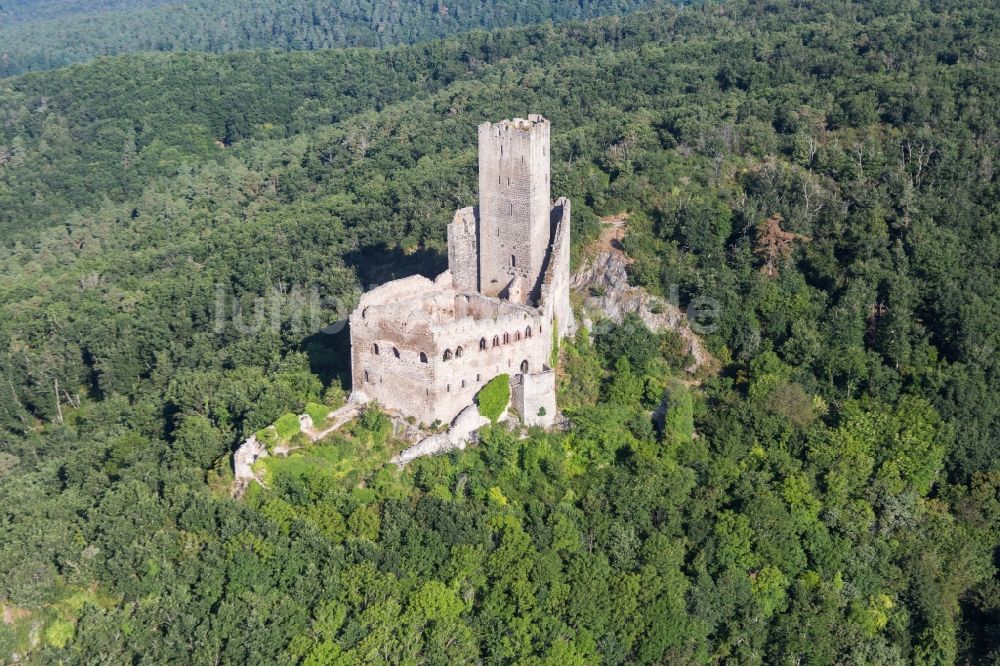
(425, 347)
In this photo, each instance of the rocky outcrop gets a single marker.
(603, 282)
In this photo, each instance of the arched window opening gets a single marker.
(367, 378)
(423, 357)
(524, 365)
(496, 340)
(517, 336)
(463, 383)
(395, 352)
(447, 354)
(506, 338)
(375, 348)
(527, 332)
(482, 344)
(458, 352)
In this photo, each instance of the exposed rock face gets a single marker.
(604, 283)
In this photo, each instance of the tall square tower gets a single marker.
(514, 206)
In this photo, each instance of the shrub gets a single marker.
(493, 397)
(299, 440)
(317, 412)
(268, 437)
(376, 423)
(335, 396)
(287, 426)
(678, 422)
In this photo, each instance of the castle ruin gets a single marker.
(426, 347)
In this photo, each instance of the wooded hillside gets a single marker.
(825, 173)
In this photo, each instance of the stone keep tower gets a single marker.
(514, 206)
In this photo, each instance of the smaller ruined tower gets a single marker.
(514, 206)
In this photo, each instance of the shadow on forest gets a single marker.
(379, 264)
(329, 350)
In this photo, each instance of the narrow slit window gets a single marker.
(513, 261)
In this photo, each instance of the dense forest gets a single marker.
(43, 35)
(827, 172)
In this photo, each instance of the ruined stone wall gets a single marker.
(385, 361)
(463, 259)
(533, 395)
(432, 367)
(508, 343)
(417, 316)
(555, 286)
(514, 203)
